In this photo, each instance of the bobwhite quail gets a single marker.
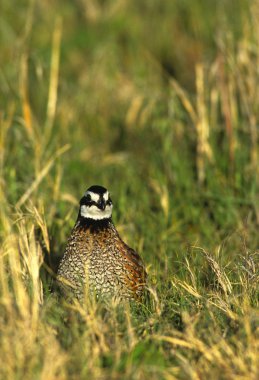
(96, 259)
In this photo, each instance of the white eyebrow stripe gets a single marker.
(94, 197)
(106, 195)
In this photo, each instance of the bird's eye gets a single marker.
(88, 198)
(109, 202)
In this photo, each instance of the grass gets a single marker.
(157, 101)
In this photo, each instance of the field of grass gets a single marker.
(159, 102)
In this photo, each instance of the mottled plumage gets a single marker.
(96, 260)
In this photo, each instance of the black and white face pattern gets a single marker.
(96, 203)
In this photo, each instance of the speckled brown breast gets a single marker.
(96, 260)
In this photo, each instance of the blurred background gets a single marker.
(158, 101)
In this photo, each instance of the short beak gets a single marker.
(102, 204)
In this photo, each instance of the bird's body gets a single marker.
(96, 260)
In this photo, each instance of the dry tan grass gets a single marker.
(200, 319)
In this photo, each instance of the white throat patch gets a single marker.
(93, 212)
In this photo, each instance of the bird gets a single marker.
(96, 261)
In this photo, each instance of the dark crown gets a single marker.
(97, 189)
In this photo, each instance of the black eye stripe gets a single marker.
(86, 200)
